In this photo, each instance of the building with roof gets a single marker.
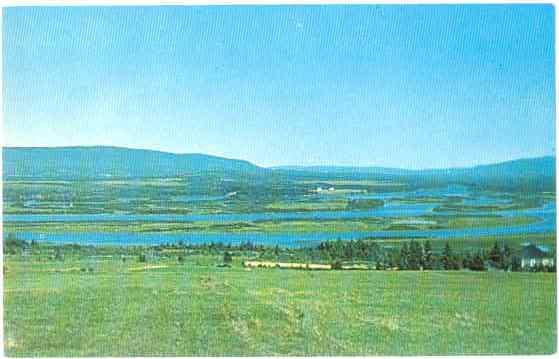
(534, 256)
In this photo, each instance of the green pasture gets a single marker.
(196, 308)
(279, 226)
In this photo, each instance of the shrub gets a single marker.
(337, 264)
(477, 264)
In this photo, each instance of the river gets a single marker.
(546, 224)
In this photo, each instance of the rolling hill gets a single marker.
(539, 166)
(536, 173)
(117, 162)
(107, 162)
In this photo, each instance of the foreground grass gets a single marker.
(196, 308)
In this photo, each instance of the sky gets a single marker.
(397, 86)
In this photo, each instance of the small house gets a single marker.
(534, 256)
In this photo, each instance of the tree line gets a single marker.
(419, 255)
(409, 255)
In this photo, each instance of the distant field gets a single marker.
(170, 195)
(331, 205)
(196, 308)
(279, 226)
(364, 182)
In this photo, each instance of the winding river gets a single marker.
(546, 224)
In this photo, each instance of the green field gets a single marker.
(277, 226)
(196, 308)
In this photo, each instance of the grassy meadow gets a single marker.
(276, 226)
(196, 308)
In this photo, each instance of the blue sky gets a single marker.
(401, 86)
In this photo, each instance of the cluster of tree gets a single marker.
(13, 245)
(410, 255)
(347, 250)
(419, 255)
(503, 258)
(415, 255)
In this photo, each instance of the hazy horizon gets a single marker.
(285, 165)
(411, 87)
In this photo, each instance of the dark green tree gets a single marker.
(348, 251)
(415, 255)
(393, 260)
(506, 258)
(495, 256)
(404, 257)
(337, 264)
(227, 257)
(477, 263)
(427, 261)
(446, 257)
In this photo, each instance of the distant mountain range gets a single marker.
(107, 162)
(345, 170)
(527, 167)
